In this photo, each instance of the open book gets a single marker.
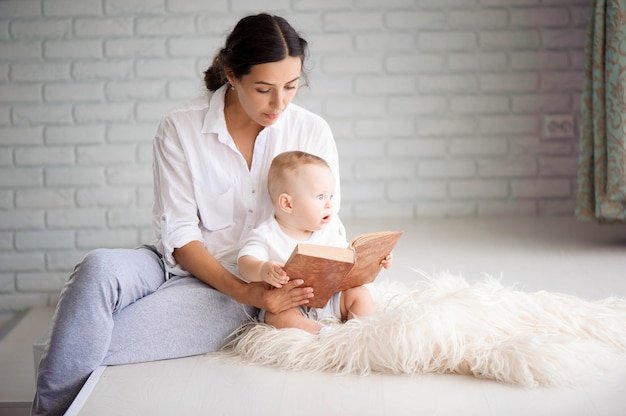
(332, 269)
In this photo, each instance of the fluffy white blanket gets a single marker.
(444, 324)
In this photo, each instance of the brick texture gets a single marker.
(436, 107)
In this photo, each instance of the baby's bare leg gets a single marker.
(357, 302)
(292, 318)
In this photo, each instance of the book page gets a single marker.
(370, 250)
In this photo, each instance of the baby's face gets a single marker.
(312, 194)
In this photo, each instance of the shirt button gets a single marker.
(250, 211)
(253, 191)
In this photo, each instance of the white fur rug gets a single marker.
(444, 324)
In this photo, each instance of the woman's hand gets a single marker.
(277, 300)
(195, 258)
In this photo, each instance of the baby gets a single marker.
(301, 187)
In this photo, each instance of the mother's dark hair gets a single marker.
(257, 39)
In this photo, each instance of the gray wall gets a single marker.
(439, 108)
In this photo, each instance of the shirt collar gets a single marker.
(214, 121)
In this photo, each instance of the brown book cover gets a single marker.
(332, 269)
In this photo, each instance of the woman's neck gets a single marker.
(241, 127)
(236, 117)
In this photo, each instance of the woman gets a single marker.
(181, 297)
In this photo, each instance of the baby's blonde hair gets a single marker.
(287, 163)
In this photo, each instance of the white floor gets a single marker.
(204, 385)
(554, 254)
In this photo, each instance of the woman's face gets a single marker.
(268, 89)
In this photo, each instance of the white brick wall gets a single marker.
(437, 107)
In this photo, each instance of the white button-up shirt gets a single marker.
(203, 189)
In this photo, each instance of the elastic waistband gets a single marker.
(153, 249)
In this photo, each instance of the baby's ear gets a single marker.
(284, 202)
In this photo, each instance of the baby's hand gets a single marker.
(272, 272)
(386, 262)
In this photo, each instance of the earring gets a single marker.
(232, 87)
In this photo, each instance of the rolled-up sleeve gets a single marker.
(175, 213)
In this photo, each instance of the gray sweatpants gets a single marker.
(118, 308)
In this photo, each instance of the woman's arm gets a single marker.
(197, 260)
